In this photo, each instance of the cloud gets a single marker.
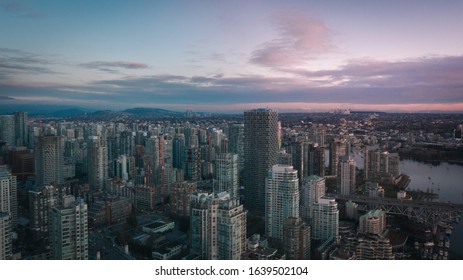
(416, 81)
(300, 38)
(6, 98)
(362, 83)
(112, 66)
(419, 72)
(21, 9)
(82, 90)
(13, 6)
(14, 61)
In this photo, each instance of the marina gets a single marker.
(445, 180)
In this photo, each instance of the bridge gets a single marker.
(430, 213)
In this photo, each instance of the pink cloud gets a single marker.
(300, 38)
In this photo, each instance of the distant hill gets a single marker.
(152, 111)
(41, 109)
(10, 105)
(71, 112)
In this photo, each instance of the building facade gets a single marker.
(281, 200)
(338, 148)
(236, 142)
(261, 138)
(6, 248)
(312, 188)
(315, 159)
(325, 222)
(69, 230)
(218, 226)
(346, 177)
(21, 129)
(296, 239)
(8, 194)
(97, 157)
(180, 198)
(373, 222)
(49, 160)
(227, 174)
(7, 130)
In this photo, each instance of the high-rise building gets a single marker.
(97, 157)
(166, 172)
(296, 239)
(297, 150)
(312, 188)
(192, 164)
(384, 164)
(49, 160)
(318, 134)
(69, 230)
(152, 160)
(218, 226)
(325, 222)
(314, 159)
(125, 143)
(191, 136)
(8, 194)
(121, 167)
(394, 161)
(40, 204)
(338, 148)
(6, 251)
(180, 198)
(21, 128)
(226, 174)
(372, 164)
(346, 181)
(236, 142)
(281, 200)
(178, 147)
(261, 147)
(373, 222)
(389, 164)
(22, 162)
(379, 165)
(7, 130)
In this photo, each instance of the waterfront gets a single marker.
(444, 179)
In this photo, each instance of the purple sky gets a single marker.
(234, 55)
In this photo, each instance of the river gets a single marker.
(444, 179)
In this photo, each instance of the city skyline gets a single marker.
(232, 56)
(161, 189)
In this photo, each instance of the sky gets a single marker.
(230, 56)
